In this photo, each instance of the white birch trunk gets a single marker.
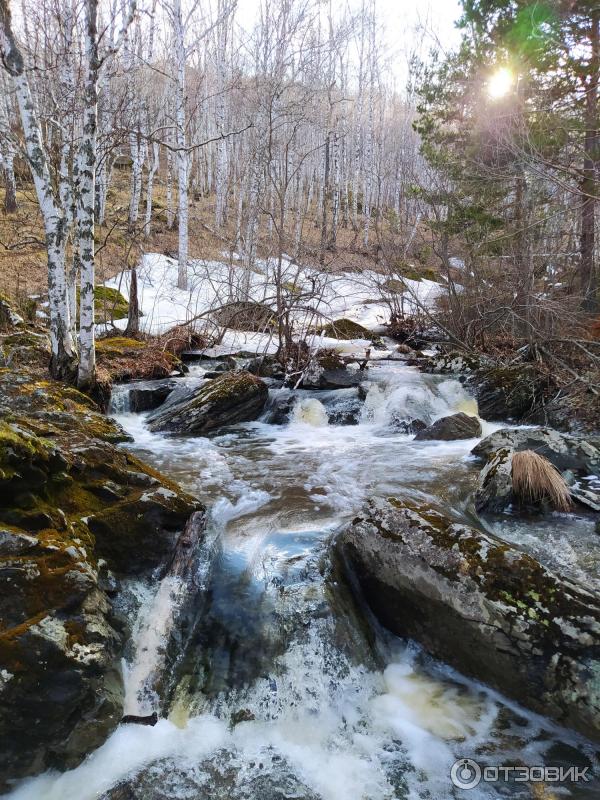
(63, 350)
(182, 154)
(139, 150)
(170, 202)
(149, 188)
(85, 203)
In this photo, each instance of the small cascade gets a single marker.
(403, 398)
(159, 616)
(120, 400)
(310, 412)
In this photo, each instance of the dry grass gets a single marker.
(23, 256)
(536, 480)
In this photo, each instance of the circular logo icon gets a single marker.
(465, 773)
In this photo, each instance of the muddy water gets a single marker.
(273, 685)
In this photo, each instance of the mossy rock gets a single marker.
(394, 286)
(509, 392)
(9, 319)
(74, 509)
(345, 329)
(25, 346)
(232, 398)
(485, 607)
(413, 273)
(329, 358)
(124, 359)
(118, 345)
(109, 304)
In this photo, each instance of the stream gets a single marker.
(270, 681)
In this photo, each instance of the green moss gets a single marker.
(291, 288)
(18, 448)
(118, 345)
(110, 304)
(503, 573)
(228, 387)
(410, 272)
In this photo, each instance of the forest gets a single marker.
(299, 399)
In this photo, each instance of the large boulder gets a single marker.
(457, 426)
(486, 608)
(565, 451)
(234, 397)
(508, 392)
(77, 515)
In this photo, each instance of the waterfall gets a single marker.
(120, 400)
(310, 412)
(405, 398)
(185, 580)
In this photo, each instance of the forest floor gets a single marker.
(23, 256)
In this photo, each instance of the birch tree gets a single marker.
(63, 347)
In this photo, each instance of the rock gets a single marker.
(494, 492)
(121, 359)
(148, 398)
(327, 370)
(408, 426)
(586, 497)
(25, 347)
(280, 406)
(266, 367)
(488, 609)
(456, 426)
(344, 414)
(453, 362)
(508, 392)
(565, 451)
(134, 719)
(346, 329)
(77, 515)
(232, 398)
(9, 318)
(246, 315)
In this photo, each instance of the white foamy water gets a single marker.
(150, 635)
(310, 412)
(269, 639)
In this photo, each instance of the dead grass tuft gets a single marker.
(535, 480)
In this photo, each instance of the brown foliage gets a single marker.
(536, 480)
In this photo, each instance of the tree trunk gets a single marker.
(149, 188)
(589, 185)
(182, 154)
(63, 350)
(10, 186)
(85, 208)
(133, 317)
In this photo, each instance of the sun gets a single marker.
(500, 83)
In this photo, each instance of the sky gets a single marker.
(399, 19)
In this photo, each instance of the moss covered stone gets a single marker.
(118, 345)
(73, 508)
(232, 398)
(346, 329)
(490, 610)
(109, 304)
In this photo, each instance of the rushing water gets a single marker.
(273, 687)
